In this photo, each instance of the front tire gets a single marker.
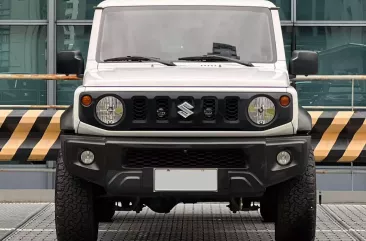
(74, 207)
(296, 213)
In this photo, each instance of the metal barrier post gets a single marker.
(352, 179)
(353, 93)
(320, 197)
(51, 175)
(51, 35)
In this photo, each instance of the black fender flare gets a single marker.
(305, 123)
(67, 120)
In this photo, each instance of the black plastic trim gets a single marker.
(305, 123)
(260, 170)
(196, 121)
(67, 120)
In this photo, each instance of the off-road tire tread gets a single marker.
(74, 207)
(296, 219)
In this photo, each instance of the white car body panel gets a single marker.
(286, 129)
(239, 3)
(187, 76)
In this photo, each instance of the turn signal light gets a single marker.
(86, 100)
(284, 100)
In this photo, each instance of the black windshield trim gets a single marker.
(139, 59)
(216, 57)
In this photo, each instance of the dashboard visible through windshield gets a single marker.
(173, 32)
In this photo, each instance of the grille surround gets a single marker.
(195, 122)
(184, 158)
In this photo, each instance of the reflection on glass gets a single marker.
(287, 39)
(23, 92)
(325, 93)
(342, 51)
(182, 31)
(65, 91)
(23, 9)
(71, 38)
(285, 8)
(23, 50)
(329, 10)
(359, 93)
(76, 9)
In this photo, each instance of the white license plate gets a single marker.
(185, 180)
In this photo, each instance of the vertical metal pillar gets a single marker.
(293, 11)
(51, 69)
(293, 33)
(352, 177)
(51, 50)
(353, 94)
(50, 175)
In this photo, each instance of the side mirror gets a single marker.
(304, 63)
(70, 62)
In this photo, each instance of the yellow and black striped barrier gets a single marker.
(33, 135)
(339, 136)
(29, 135)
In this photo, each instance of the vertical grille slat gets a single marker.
(231, 109)
(162, 108)
(209, 109)
(139, 108)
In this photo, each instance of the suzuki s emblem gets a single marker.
(185, 109)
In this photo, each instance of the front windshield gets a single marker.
(173, 32)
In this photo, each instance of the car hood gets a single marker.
(186, 77)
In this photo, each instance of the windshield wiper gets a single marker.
(139, 59)
(216, 58)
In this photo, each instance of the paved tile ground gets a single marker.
(12, 215)
(194, 222)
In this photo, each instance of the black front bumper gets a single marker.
(258, 170)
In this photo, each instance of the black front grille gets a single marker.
(231, 109)
(139, 108)
(165, 108)
(209, 109)
(162, 108)
(167, 111)
(181, 158)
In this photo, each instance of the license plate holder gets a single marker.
(185, 180)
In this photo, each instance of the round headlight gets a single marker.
(109, 110)
(261, 110)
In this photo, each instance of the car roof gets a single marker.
(239, 3)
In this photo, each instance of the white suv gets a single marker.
(186, 101)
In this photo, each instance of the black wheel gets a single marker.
(268, 205)
(105, 210)
(74, 207)
(296, 213)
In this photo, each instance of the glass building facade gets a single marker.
(32, 31)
